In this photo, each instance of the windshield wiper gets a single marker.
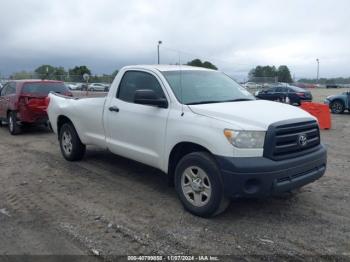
(237, 100)
(222, 101)
(203, 102)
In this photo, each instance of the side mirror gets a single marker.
(149, 97)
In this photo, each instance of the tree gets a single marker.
(76, 74)
(21, 75)
(50, 72)
(284, 75)
(197, 62)
(44, 71)
(60, 73)
(266, 73)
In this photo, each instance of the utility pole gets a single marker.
(318, 68)
(159, 43)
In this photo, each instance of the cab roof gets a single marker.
(163, 68)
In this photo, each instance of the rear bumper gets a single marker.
(32, 117)
(259, 176)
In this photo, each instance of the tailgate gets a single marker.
(35, 104)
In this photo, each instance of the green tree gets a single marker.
(21, 75)
(264, 73)
(284, 75)
(197, 62)
(60, 73)
(50, 72)
(76, 74)
(44, 71)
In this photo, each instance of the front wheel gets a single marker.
(337, 107)
(71, 147)
(199, 185)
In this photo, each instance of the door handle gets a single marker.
(113, 109)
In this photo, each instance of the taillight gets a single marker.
(68, 94)
(47, 101)
(300, 94)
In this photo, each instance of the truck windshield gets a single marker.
(202, 87)
(44, 89)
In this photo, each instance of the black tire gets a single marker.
(217, 202)
(13, 126)
(337, 107)
(74, 151)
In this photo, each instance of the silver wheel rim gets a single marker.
(67, 143)
(196, 186)
(11, 124)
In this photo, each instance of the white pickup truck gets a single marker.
(201, 128)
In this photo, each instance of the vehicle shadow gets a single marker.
(142, 176)
(31, 130)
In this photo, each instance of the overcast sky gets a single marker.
(234, 35)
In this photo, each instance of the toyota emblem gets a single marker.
(302, 140)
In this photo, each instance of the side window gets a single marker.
(279, 89)
(135, 80)
(11, 89)
(4, 89)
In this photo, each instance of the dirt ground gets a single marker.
(107, 205)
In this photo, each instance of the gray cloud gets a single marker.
(235, 35)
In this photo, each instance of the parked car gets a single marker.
(333, 86)
(206, 132)
(23, 102)
(98, 87)
(73, 86)
(295, 94)
(338, 103)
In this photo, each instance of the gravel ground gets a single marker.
(108, 205)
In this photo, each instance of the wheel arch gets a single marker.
(177, 152)
(338, 99)
(61, 120)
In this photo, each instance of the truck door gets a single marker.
(133, 130)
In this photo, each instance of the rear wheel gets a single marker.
(337, 107)
(71, 147)
(13, 126)
(199, 185)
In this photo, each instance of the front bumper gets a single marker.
(259, 176)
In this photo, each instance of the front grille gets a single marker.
(286, 139)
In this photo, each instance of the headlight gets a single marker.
(245, 139)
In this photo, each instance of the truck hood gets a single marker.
(250, 115)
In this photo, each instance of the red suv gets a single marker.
(24, 102)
